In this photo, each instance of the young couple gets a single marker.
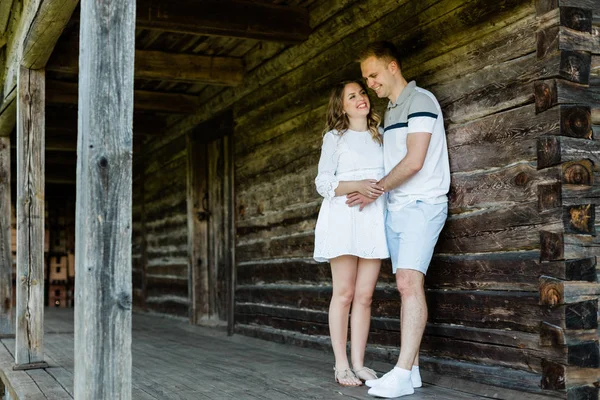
(385, 195)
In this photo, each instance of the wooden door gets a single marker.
(210, 224)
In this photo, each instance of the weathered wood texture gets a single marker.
(34, 37)
(244, 19)
(484, 276)
(163, 198)
(104, 190)
(65, 93)
(7, 322)
(198, 214)
(165, 365)
(569, 277)
(30, 217)
(162, 66)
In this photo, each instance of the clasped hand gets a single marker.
(368, 190)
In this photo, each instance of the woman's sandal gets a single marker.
(346, 375)
(365, 374)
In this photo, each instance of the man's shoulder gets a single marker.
(423, 101)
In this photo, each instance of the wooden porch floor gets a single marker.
(173, 360)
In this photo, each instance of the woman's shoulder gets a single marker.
(332, 135)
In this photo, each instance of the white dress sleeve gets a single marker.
(326, 180)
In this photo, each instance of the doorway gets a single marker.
(211, 235)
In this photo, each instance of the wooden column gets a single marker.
(230, 221)
(6, 307)
(29, 352)
(569, 288)
(104, 192)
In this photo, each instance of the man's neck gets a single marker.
(398, 88)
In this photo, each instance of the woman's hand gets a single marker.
(369, 188)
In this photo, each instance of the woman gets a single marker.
(353, 241)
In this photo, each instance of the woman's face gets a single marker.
(355, 101)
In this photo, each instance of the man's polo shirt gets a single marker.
(416, 110)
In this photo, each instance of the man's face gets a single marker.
(378, 75)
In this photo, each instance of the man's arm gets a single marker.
(416, 150)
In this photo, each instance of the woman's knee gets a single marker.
(343, 296)
(363, 298)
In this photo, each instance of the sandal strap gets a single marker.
(365, 369)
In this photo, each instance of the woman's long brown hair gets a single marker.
(338, 120)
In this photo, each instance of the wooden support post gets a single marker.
(6, 307)
(104, 191)
(29, 352)
(230, 222)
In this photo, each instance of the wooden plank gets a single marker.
(504, 137)
(486, 309)
(244, 19)
(8, 114)
(228, 71)
(197, 219)
(62, 121)
(562, 38)
(217, 276)
(6, 307)
(555, 291)
(544, 6)
(66, 93)
(560, 377)
(41, 24)
(104, 191)
(581, 315)
(556, 150)
(517, 183)
(575, 194)
(30, 218)
(5, 8)
(552, 335)
(551, 92)
(230, 213)
(572, 270)
(50, 20)
(514, 227)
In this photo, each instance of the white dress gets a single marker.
(341, 229)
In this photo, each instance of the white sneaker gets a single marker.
(415, 378)
(393, 386)
(376, 382)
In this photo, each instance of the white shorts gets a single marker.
(412, 233)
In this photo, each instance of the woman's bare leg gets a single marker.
(360, 318)
(343, 274)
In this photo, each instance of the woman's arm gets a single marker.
(366, 187)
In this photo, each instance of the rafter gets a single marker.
(63, 122)
(235, 18)
(228, 71)
(59, 92)
(40, 25)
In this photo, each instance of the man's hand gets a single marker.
(355, 199)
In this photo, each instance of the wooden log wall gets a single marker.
(160, 253)
(569, 252)
(483, 283)
(483, 287)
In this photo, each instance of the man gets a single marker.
(417, 182)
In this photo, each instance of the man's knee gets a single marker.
(409, 281)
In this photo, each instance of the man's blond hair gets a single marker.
(382, 50)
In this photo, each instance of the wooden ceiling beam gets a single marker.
(8, 114)
(234, 18)
(63, 121)
(39, 26)
(227, 71)
(59, 92)
(5, 7)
